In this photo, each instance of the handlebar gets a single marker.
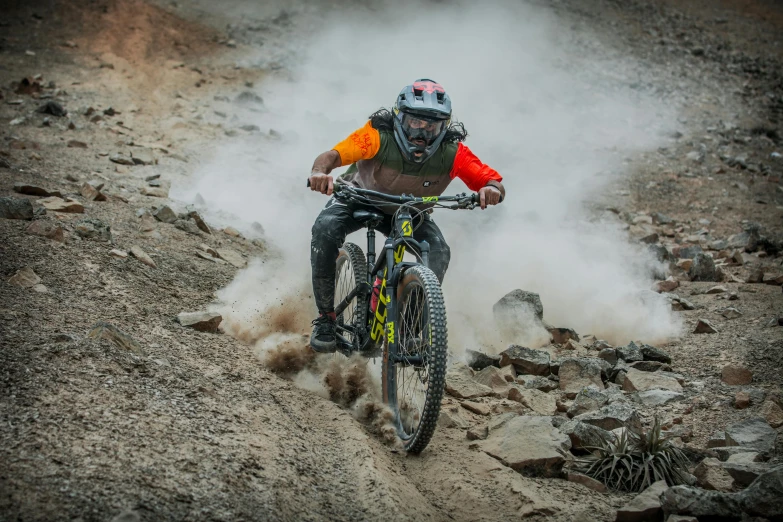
(345, 191)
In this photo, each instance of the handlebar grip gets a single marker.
(308, 182)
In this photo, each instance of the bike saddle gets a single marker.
(366, 216)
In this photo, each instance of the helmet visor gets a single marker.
(422, 128)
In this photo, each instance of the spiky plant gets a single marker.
(635, 459)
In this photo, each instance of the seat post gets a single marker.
(370, 250)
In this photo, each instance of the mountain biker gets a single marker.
(413, 149)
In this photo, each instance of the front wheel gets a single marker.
(414, 377)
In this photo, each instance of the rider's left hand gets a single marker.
(489, 196)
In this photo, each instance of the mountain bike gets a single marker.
(394, 308)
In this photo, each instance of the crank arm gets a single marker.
(363, 288)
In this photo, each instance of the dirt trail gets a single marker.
(192, 425)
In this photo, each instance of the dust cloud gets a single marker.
(545, 104)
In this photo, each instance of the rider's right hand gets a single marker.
(323, 183)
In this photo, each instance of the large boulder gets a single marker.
(764, 498)
(752, 433)
(577, 374)
(636, 380)
(526, 360)
(612, 416)
(530, 445)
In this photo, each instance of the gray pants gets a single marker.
(332, 226)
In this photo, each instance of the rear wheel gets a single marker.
(351, 272)
(413, 387)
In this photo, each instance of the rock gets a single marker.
(121, 159)
(645, 506)
(451, 418)
(636, 380)
(119, 254)
(705, 326)
(53, 108)
(187, 226)
(231, 231)
(200, 223)
(46, 229)
(744, 469)
(509, 373)
(741, 400)
(752, 433)
(476, 433)
(717, 440)
(232, 257)
(90, 193)
(30, 190)
(478, 408)
(479, 360)
(493, 378)
(772, 413)
(526, 360)
(165, 214)
(540, 402)
(518, 311)
(156, 192)
(127, 515)
(76, 144)
(735, 375)
(690, 500)
(703, 269)
(586, 481)
(609, 355)
(587, 400)
(577, 374)
(612, 416)
(16, 208)
(201, 321)
(583, 434)
(536, 382)
(650, 366)
(668, 285)
(689, 252)
(658, 397)
(460, 383)
(25, 278)
(764, 497)
(711, 475)
(248, 97)
(773, 279)
(56, 204)
(115, 335)
(720, 289)
(756, 276)
(143, 158)
(731, 313)
(681, 518)
(563, 335)
(94, 229)
(530, 445)
(726, 452)
(142, 256)
(629, 353)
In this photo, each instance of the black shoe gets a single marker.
(324, 339)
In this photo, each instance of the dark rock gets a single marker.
(526, 360)
(165, 214)
(703, 269)
(188, 226)
(200, 223)
(689, 252)
(630, 353)
(563, 335)
(53, 108)
(248, 97)
(764, 497)
(690, 500)
(752, 433)
(16, 208)
(609, 355)
(587, 400)
(651, 353)
(583, 434)
(479, 360)
(201, 321)
(705, 326)
(30, 190)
